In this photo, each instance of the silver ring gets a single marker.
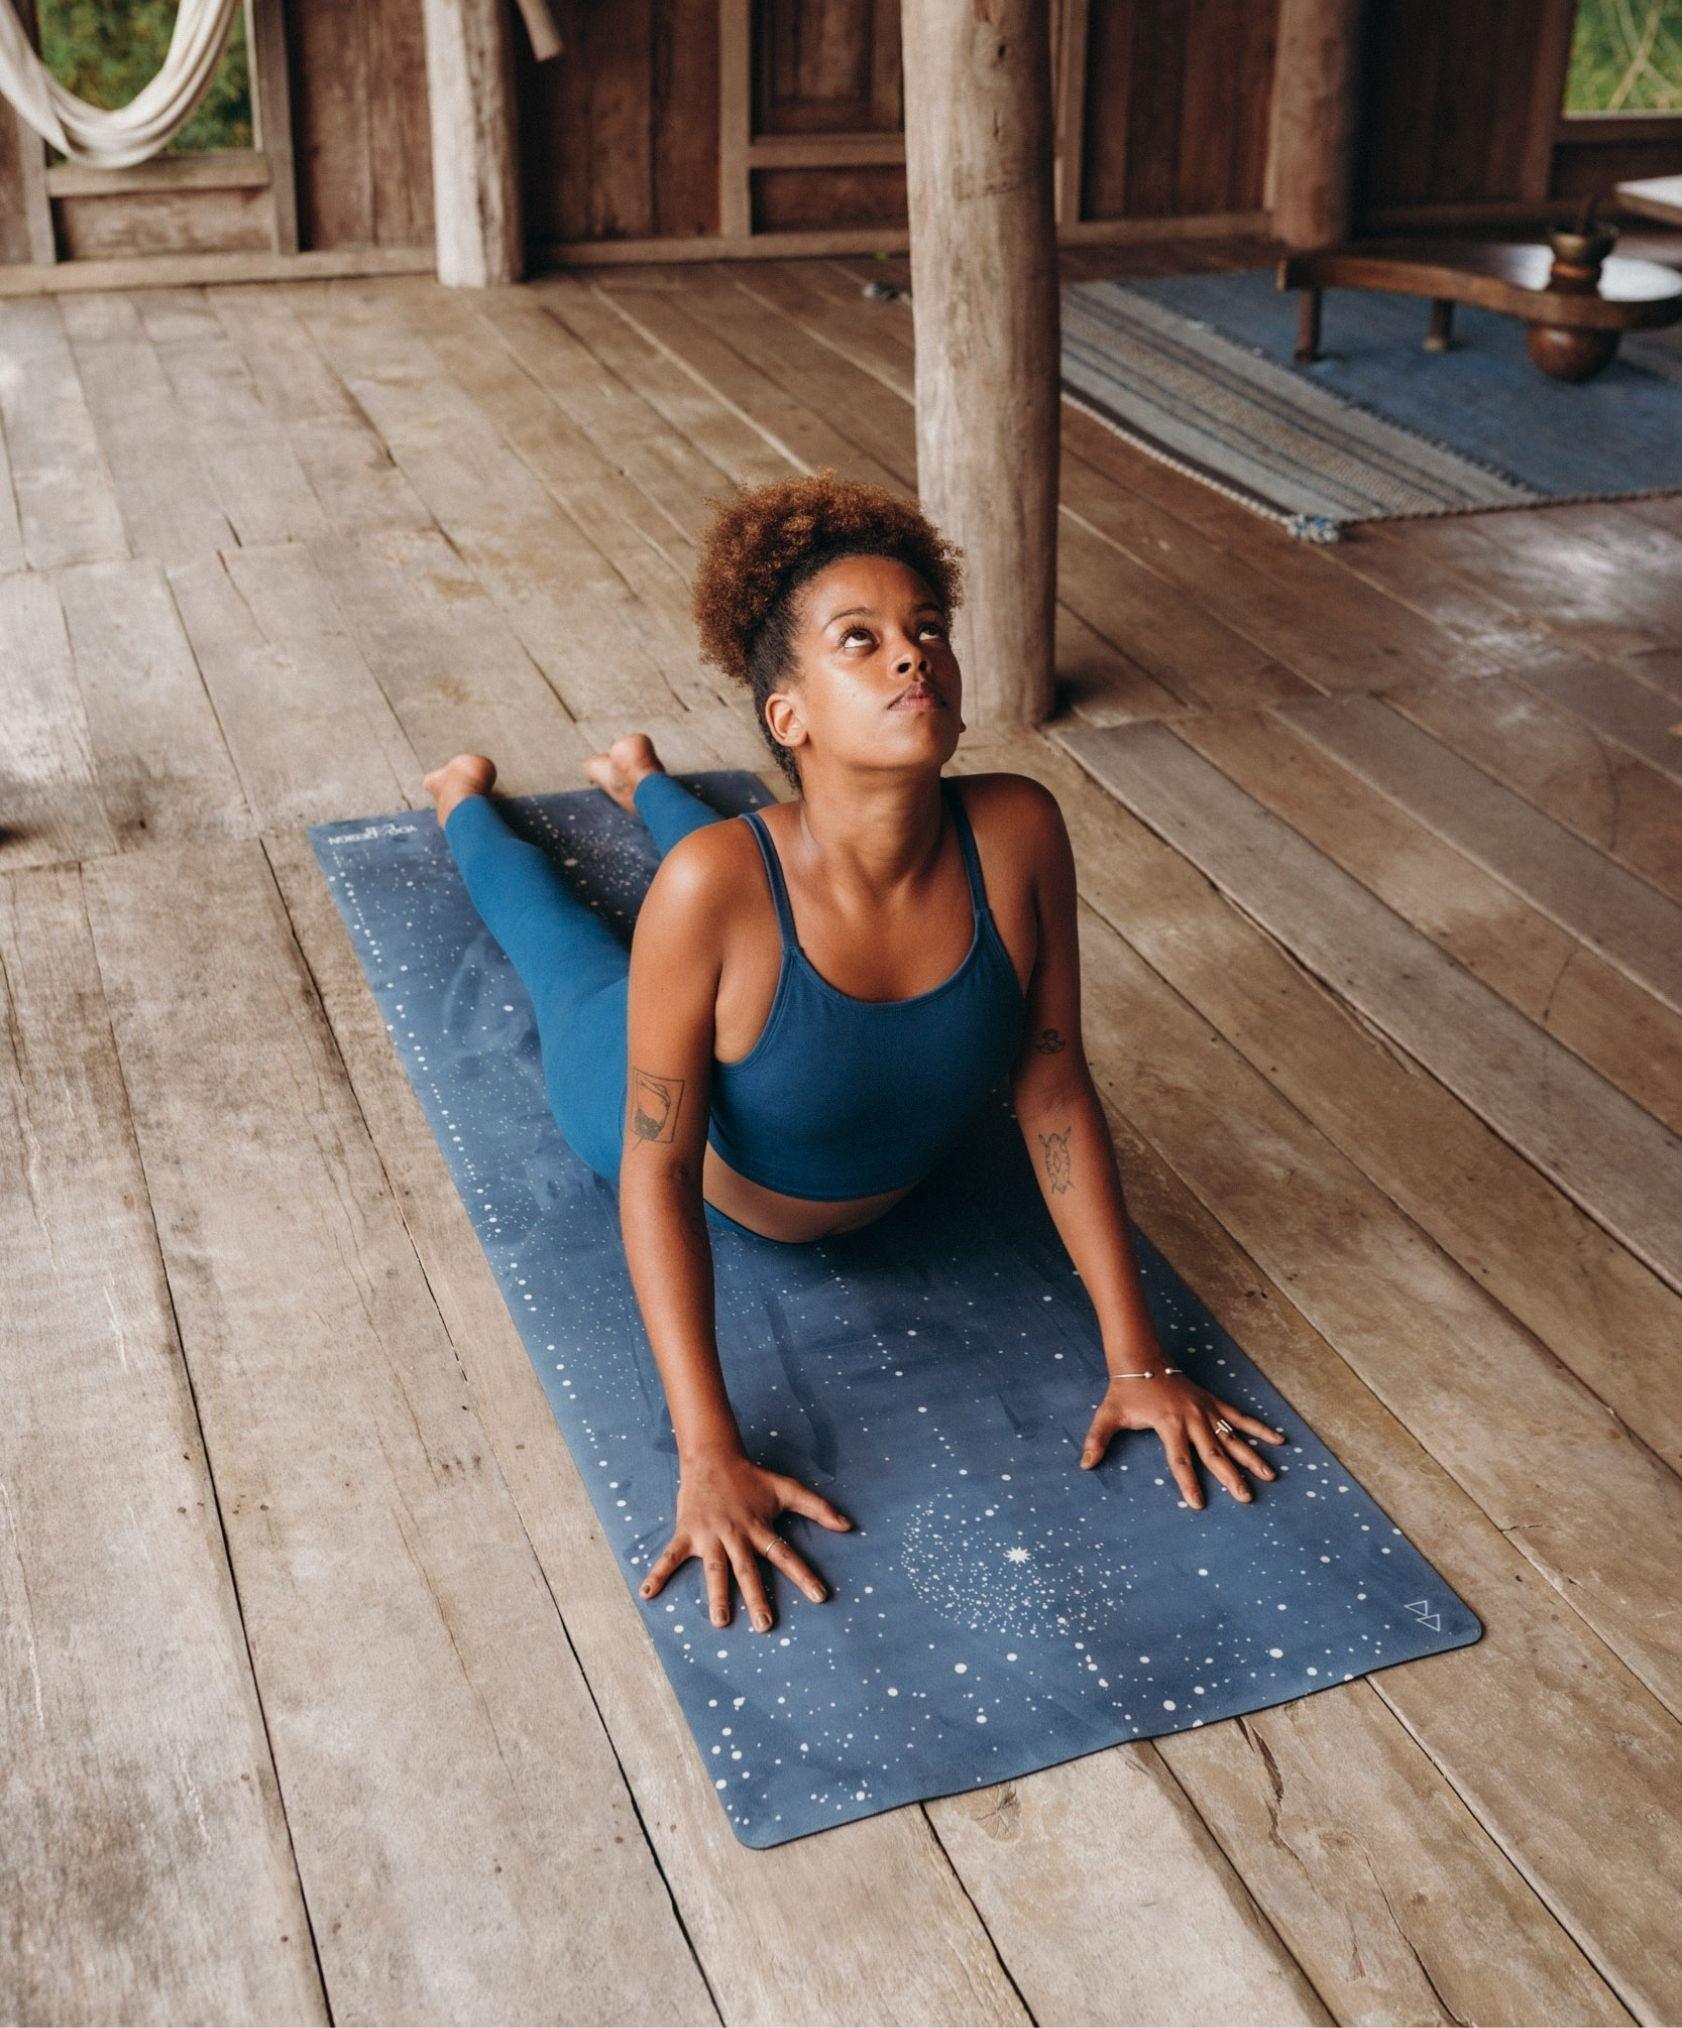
(1223, 1426)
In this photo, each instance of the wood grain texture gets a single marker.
(444, 1766)
(898, 1938)
(149, 1874)
(1613, 1158)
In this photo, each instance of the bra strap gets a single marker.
(966, 839)
(774, 873)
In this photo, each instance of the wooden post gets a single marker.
(1316, 83)
(984, 299)
(475, 154)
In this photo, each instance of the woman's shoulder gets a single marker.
(1013, 809)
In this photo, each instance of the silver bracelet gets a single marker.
(1144, 1376)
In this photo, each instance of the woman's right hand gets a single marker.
(726, 1505)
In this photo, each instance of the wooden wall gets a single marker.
(1177, 100)
(622, 143)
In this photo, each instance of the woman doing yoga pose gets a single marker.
(816, 998)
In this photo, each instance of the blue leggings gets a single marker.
(573, 964)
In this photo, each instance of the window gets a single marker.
(1626, 57)
(105, 50)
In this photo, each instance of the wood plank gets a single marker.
(66, 504)
(455, 676)
(1551, 564)
(168, 504)
(721, 433)
(804, 438)
(149, 1873)
(578, 618)
(11, 529)
(1564, 988)
(465, 1838)
(1613, 911)
(162, 764)
(1329, 1299)
(1292, 602)
(1617, 1162)
(1538, 1689)
(262, 627)
(348, 466)
(241, 442)
(589, 487)
(194, 270)
(1613, 698)
(669, 473)
(900, 1938)
(52, 808)
(1602, 1315)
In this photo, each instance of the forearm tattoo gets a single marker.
(1058, 1166)
(1048, 1042)
(654, 1105)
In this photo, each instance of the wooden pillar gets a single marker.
(1316, 84)
(984, 282)
(475, 155)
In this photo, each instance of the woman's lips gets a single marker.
(924, 700)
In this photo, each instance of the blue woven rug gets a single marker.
(1197, 369)
(994, 1609)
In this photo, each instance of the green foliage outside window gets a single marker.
(106, 50)
(1626, 57)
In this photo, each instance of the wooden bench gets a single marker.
(1574, 313)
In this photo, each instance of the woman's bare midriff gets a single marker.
(777, 1216)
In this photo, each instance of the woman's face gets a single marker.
(869, 632)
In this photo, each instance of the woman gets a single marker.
(818, 995)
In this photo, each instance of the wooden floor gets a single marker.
(323, 1695)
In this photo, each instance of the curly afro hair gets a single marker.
(763, 545)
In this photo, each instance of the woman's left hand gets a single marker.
(1184, 1415)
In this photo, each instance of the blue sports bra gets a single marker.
(842, 1097)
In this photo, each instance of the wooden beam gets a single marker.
(30, 230)
(1069, 68)
(271, 110)
(985, 306)
(1316, 87)
(735, 118)
(475, 154)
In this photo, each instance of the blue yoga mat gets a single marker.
(995, 1609)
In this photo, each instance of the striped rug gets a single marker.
(1197, 371)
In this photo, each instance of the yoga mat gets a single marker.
(995, 1609)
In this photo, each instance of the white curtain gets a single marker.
(127, 134)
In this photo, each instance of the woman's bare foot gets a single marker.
(468, 774)
(623, 765)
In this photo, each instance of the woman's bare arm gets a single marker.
(727, 1504)
(1062, 1120)
(673, 988)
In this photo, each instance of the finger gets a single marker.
(1185, 1472)
(717, 1566)
(663, 1565)
(793, 1566)
(1252, 1460)
(1261, 1429)
(753, 1585)
(804, 1501)
(1213, 1454)
(1097, 1441)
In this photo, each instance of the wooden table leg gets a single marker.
(1440, 335)
(1308, 327)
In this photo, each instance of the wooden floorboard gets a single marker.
(1380, 868)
